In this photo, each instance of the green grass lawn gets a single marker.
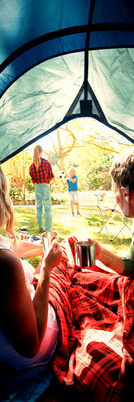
(84, 226)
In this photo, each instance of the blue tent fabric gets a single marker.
(62, 60)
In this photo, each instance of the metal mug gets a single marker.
(84, 253)
(47, 238)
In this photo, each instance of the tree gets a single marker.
(92, 154)
(17, 170)
(92, 168)
(84, 143)
(59, 151)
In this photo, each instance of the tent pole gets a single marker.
(86, 49)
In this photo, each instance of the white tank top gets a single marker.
(7, 352)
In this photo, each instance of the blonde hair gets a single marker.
(36, 156)
(69, 170)
(6, 206)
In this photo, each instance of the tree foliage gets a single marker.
(83, 143)
(59, 151)
(17, 170)
(93, 152)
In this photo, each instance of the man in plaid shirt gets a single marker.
(41, 174)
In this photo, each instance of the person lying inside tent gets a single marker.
(80, 321)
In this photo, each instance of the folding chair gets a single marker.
(108, 212)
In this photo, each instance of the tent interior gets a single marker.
(61, 60)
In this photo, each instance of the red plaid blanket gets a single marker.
(95, 313)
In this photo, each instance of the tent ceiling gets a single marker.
(61, 60)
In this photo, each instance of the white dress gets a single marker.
(7, 352)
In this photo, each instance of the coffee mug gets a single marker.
(84, 253)
(47, 238)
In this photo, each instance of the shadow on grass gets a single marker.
(94, 220)
(103, 239)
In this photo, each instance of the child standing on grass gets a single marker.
(72, 183)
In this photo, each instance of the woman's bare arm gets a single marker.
(26, 249)
(24, 321)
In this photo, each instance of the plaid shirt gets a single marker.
(44, 174)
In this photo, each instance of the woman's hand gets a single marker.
(52, 257)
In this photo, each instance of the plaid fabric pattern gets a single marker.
(95, 313)
(44, 174)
